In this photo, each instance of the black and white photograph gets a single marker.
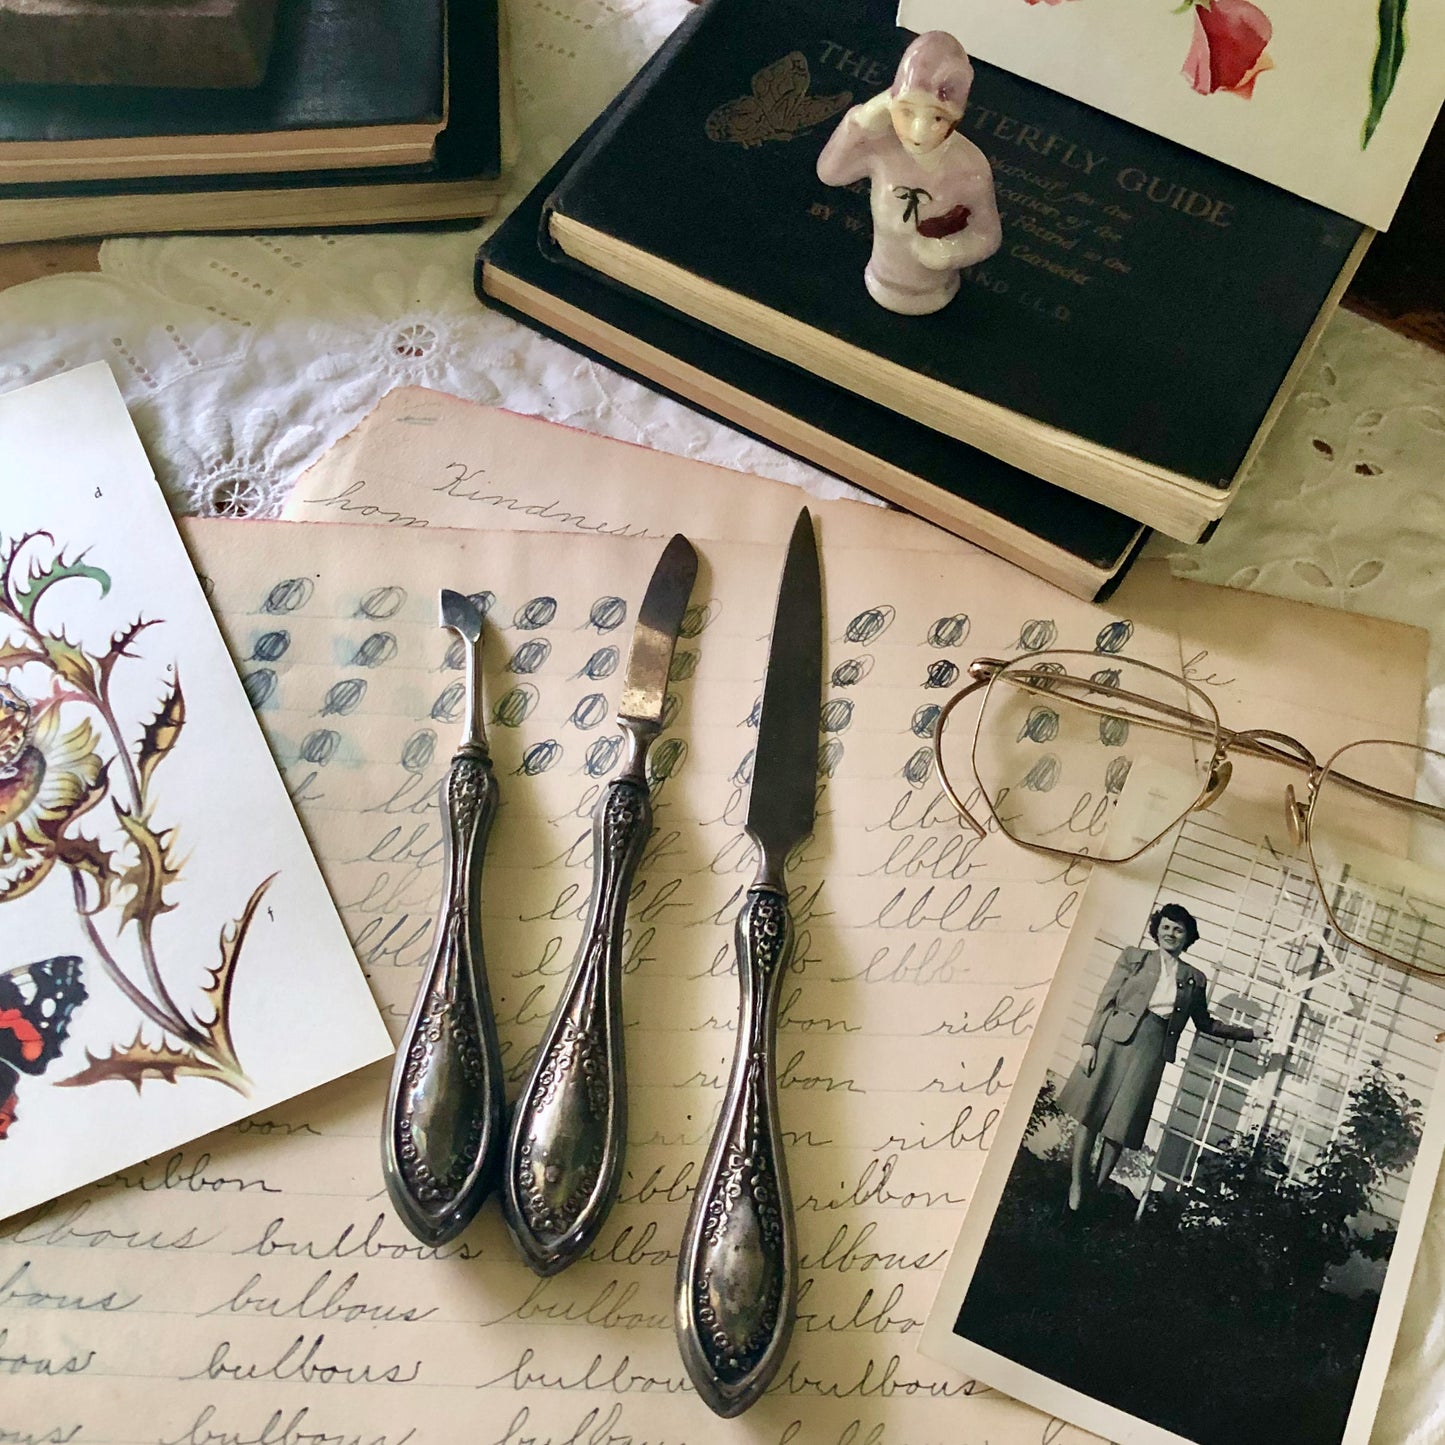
(1201, 1209)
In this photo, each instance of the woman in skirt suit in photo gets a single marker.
(1151, 993)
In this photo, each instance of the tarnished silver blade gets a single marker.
(464, 618)
(644, 686)
(461, 614)
(785, 764)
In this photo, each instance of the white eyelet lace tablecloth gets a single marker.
(244, 358)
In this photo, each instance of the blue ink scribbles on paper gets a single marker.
(319, 747)
(1116, 775)
(1113, 636)
(682, 667)
(541, 758)
(1107, 676)
(483, 602)
(589, 712)
(539, 612)
(830, 755)
(697, 619)
(1039, 672)
(671, 706)
(418, 751)
(271, 646)
(665, 761)
(513, 708)
(344, 697)
(835, 715)
(602, 755)
(380, 647)
(1113, 731)
(743, 775)
(755, 716)
(456, 657)
(1037, 634)
(382, 603)
(918, 767)
(851, 671)
(607, 614)
(949, 631)
(942, 673)
(289, 596)
(925, 720)
(869, 625)
(602, 663)
(1041, 726)
(530, 656)
(448, 706)
(1043, 775)
(260, 687)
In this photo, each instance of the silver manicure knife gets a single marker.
(569, 1127)
(442, 1136)
(737, 1272)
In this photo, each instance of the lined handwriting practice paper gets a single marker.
(426, 459)
(261, 1291)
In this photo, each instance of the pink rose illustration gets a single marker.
(1228, 51)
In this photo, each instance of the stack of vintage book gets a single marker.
(368, 111)
(1113, 368)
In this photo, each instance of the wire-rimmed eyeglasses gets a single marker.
(1053, 744)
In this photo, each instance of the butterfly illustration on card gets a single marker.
(779, 108)
(37, 1003)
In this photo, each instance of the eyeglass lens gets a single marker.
(1057, 735)
(1380, 860)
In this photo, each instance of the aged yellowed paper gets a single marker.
(267, 1294)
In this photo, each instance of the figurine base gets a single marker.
(909, 301)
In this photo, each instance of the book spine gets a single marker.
(623, 104)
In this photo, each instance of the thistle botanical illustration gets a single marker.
(77, 808)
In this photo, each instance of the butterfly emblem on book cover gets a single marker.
(780, 107)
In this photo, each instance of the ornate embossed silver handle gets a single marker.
(737, 1274)
(442, 1138)
(569, 1128)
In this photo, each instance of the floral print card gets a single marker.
(170, 960)
(1333, 103)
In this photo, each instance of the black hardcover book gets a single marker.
(460, 180)
(1076, 544)
(1130, 339)
(349, 81)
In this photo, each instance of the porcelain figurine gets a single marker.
(932, 189)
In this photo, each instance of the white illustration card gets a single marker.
(1333, 103)
(171, 960)
(1200, 1226)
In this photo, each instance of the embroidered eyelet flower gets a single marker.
(51, 778)
(240, 467)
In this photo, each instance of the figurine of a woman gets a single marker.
(932, 189)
